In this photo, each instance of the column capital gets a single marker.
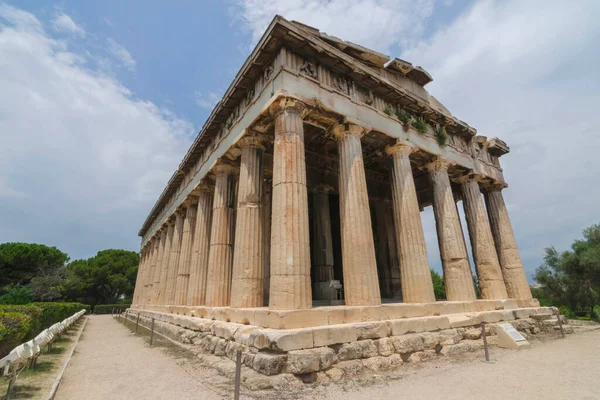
(348, 127)
(252, 140)
(401, 148)
(224, 166)
(322, 188)
(494, 187)
(438, 164)
(470, 177)
(287, 104)
(204, 187)
(190, 201)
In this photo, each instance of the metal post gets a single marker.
(113, 312)
(559, 317)
(152, 332)
(238, 374)
(137, 322)
(485, 347)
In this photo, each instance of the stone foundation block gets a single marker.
(350, 367)
(421, 356)
(337, 315)
(283, 340)
(297, 319)
(408, 343)
(334, 334)
(335, 374)
(372, 330)
(359, 349)
(310, 360)
(384, 346)
(421, 324)
(242, 335)
(225, 330)
(397, 311)
(380, 363)
(268, 363)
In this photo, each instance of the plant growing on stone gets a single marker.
(388, 110)
(420, 125)
(440, 134)
(403, 116)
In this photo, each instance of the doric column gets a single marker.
(491, 281)
(417, 286)
(361, 285)
(166, 264)
(290, 246)
(159, 266)
(174, 258)
(393, 249)
(384, 271)
(147, 265)
(218, 288)
(266, 221)
(517, 286)
(322, 250)
(455, 262)
(199, 265)
(138, 280)
(247, 280)
(185, 256)
(152, 269)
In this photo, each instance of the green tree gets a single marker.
(20, 262)
(104, 278)
(16, 294)
(572, 278)
(439, 287)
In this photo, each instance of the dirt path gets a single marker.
(111, 363)
(559, 369)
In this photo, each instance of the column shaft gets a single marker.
(384, 271)
(199, 264)
(290, 247)
(393, 249)
(266, 221)
(417, 286)
(247, 281)
(150, 277)
(491, 281)
(361, 284)
(517, 286)
(138, 280)
(185, 257)
(166, 265)
(174, 259)
(220, 257)
(458, 278)
(158, 269)
(323, 242)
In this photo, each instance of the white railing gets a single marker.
(16, 361)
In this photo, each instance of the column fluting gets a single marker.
(185, 257)
(517, 286)
(199, 264)
(166, 264)
(361, 284)
(247, 278)
(322, 250)
(458, 277)
(290, 287)
(174, 258)
(159, 266)
(266, 221)
(491, 281)
(218, 288)
(417, 286)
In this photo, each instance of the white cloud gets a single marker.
(524, 71)
(63, 23)
(120, 53)
(208, 100)
(377, 24)
(83, 160)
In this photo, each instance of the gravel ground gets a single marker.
(112, 363)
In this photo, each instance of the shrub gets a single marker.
(420, 125)
(108, 308)
(35, 313)
(388, 110)
(403, 116)
(596, 313)
(440, 135)
(53, 312)
(14, 330)
(566, 311)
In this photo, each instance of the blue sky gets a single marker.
(100, 100)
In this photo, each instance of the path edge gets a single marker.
(56, 384)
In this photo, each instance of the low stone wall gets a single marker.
(335, 315)
(330, 352)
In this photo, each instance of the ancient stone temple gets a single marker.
(299, 205)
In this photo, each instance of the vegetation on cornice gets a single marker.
(440, 134)
(388, 110)
(419, 124)
(403, 116)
